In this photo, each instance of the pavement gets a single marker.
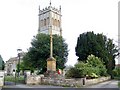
(18, 85)
(107, 84)
(32, 86)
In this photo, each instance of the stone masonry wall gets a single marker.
(35, 79)
(73, 82)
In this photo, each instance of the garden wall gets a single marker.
(35, 79)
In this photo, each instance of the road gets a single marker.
(108, 85)
(12, 86)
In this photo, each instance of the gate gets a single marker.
(13, 79)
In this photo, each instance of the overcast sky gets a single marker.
(19, 22)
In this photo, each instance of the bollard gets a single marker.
(84, 79)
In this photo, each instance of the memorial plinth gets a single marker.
(51, 64)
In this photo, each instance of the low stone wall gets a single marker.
(73, 82)
(63, 82)
(98, 80)
(35, 79)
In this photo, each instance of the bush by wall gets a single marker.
(93, 68)
(116, 72)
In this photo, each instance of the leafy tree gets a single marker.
(99, 45)
(2, 64)
(40, 51)
(22, 67)
(111, 54)
(86, 45)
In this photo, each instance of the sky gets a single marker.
(19, 22)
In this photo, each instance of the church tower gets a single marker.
(50, 20)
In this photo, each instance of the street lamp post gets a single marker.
(19, 52)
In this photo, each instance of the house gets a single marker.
(11, 64)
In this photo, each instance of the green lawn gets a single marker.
(13, 79)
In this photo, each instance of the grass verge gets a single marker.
(14, 79)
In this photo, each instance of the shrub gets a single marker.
(80, 70)
(119, 84)
(93, 75)
(92, 69)
(116, 72)
(73, 73)
(97, 64)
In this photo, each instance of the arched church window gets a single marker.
(58, 23)
(41, 23)
(52, 21)
(55, 22)
(47, 21)
(44, 22)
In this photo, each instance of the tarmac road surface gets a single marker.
(108, 85)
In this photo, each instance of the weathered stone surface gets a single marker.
(33, 79)
(73, 82)
(1, 78)
(64, 82)
(51, 64)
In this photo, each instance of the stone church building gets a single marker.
(49, 23)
